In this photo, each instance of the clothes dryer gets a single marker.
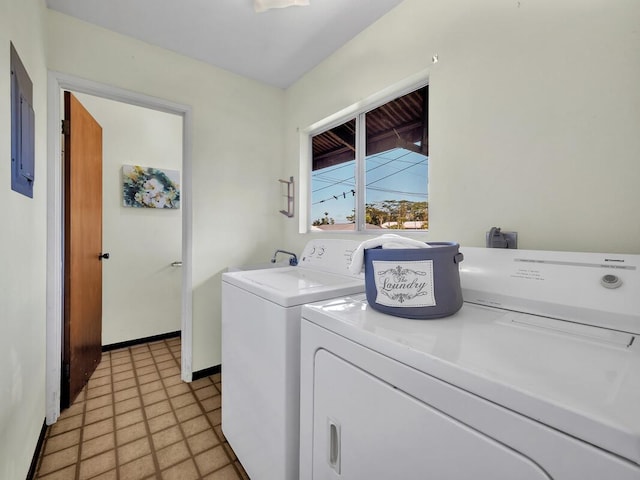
(536, 377)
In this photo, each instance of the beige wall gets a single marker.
(533, 115)
(23, 245)
(237, 148)
(141, 292)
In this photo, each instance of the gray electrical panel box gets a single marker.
(22, 128)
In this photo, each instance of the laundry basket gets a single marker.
(419, 283)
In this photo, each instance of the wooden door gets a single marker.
(82, 337)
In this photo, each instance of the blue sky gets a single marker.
(397, 174)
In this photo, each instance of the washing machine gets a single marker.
(261, 352)
(536, 377)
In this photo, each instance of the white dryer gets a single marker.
(261, 352)
(536, 377)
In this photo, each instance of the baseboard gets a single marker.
(206, 372)
(36, 454)
(138, 341)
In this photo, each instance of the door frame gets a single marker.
(56, 83)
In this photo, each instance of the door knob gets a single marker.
(103, 255)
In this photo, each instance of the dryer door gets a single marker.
(366, 428)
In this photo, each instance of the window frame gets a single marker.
(357, 111)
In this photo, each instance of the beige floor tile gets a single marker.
(110, 475)
(170, 372)
(62, 441)
(215, 417)
(200, 383)
(99, 391)
(94, 403)
(167, 437)
(183, 471)
(149, 377)
(211, 460)
(178, 389)
(164, 357)
(98, 382)
(96, 465)
(66, 425)
(64, 474)
(142, 355)
(226, 473)
(99, 373)
(127, 374)
(128, 405)
(130, 433)
(188, 412)
(219, 433)
(151, 387)
(206, 392)
(129, 418)
(182, 400)
(98, 414)
(155, 409)
(210, 404)
(56, 461)
(153, 397)
(145, 370)
(161, 422)
(167, 363)
(133, 450)
(98, 445)
(144, 361)
(124, 384)
(138, 469)
(203, 441)
(195, 425)
(172, 455)
(76, 409)
(120, 353)
(171, 380)
(123, 360)
(97, 429)
(162, 428)
(125, 394)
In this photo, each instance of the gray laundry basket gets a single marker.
(420, 283)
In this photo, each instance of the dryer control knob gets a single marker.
(611, 281)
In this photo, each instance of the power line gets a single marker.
(380, 155)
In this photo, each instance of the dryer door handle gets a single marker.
(333, 448)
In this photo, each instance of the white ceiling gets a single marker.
(275, 47)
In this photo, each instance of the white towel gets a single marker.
(388, 240)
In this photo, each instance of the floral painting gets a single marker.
(147, 187)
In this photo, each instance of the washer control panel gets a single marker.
(329, 254)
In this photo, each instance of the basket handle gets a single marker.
(458, 257)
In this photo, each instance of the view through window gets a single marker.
(395, 160)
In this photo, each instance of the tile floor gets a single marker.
(137, 420)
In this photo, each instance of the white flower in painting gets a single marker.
(158, 201)
(153, 186)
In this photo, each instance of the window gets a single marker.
(370, 172)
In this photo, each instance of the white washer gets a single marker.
(261, 352)
(536, 377)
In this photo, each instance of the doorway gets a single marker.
(141, 278)
(56, 84)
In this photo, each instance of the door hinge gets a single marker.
(66, 127)
(67, 371)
